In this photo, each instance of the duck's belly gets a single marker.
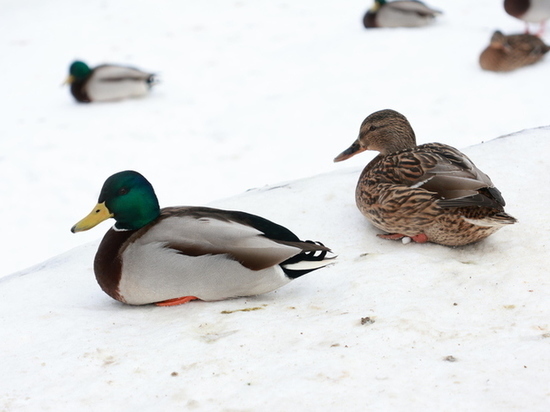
(446, 229)
(104, 90)
(538, 11)
(155, 273)
(387, 209)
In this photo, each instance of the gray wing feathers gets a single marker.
(205, 236)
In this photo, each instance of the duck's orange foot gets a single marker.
(420, 238)
(176, 301)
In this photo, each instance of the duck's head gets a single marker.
(78, 71)
(127, 197)
(498, 41)
(376, 5)
(385, 131)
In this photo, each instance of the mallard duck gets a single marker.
(427, 193)
(506, 53)
(409, 13)
(107, 82)
(173, 255)
(530, 11)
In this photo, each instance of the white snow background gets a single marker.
(257, 94)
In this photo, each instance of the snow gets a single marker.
(262, 96)
(460, 329)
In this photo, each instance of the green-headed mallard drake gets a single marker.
(506, 53)
(107, 82)
(173, 255)
(407, 13)
(428, 193)
(530, 11)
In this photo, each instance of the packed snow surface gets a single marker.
(256, 99)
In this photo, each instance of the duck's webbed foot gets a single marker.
(176, 301)
(420, 238)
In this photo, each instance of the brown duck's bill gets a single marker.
(96, 216)
(350, 152)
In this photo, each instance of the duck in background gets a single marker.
(409, 13)
(173, 255)
(507, 53)
(530, 11)
(427, 193)
(107, 82)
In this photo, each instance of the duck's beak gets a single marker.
(68, 80)
(350, 152)
(96, 216)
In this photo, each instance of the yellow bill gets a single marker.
(96, 216)
(69, 80)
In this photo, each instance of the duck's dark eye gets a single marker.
(372, 128)
(122, 191)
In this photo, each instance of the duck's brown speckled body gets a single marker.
(507, 53)
(431, 192)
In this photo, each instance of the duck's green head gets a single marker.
(127, 197)
(78, 71)
(376, 6)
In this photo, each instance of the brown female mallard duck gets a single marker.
(428, 193)
(402, 13)
(506, 53)
(530, 11)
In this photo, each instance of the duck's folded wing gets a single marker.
(113, 73)
(451, 175)
(412, 7)
(195, 234)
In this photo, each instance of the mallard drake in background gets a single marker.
(530, 11)
(408, 13)
(506, 53)
(107, 82)
(428, 193)
(173, 255)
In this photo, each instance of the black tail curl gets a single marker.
(311, 255)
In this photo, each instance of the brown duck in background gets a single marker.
(429, 193)
(506, 53)
(530, 11)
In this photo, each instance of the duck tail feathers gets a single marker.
(152, 80)
(314, 256)
(498, 219)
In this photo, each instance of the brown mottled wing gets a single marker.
(446, 172)
(526, 45)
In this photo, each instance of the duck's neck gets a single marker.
(139, 217)
(401, 138)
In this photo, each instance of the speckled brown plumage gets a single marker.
(506, 53)
(431, 189)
